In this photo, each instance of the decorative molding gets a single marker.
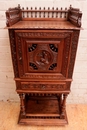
(73, 53)
(51, 87)
(13, 52)
(67, 43)
(53, 76)
(20, 58)
(43, 34)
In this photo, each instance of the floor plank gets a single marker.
(9, 112)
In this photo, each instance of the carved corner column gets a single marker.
(63, 106)
(22, 104)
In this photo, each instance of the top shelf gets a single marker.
(44, 25)
(14, 15)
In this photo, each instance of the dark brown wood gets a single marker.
(13, 15)
(43, 47)
(74, 16)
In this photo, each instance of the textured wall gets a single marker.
(79, 85)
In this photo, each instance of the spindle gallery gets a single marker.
(43, 47)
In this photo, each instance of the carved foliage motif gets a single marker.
(44, 86)
(73, 53)
(20, 58)
(66, 54)
(41, 76)
(43, 34)
(13, 51)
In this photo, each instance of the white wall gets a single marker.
(79, 85)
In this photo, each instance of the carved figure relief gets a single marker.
(42, 56)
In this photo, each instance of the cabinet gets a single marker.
(43, 48)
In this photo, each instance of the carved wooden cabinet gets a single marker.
(43, 47)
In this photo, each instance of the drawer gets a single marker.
(43, 86)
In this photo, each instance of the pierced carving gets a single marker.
(13, 52)
(42, 57)
(75, 15)
(33, 66)
(13, 15)
(53, 47)
(32, 47)
(53, 66)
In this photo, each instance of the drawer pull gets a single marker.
(43, 87)
(20, 58)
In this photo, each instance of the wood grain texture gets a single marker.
(43, 46)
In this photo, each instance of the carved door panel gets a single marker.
(43, 54)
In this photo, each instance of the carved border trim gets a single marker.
(20, 58)
(73, 53)
(66, 35)
(13, 52)
(67, 42)
(53, 76)
(43, 34)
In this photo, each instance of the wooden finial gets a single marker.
(19, 6)
(70, 6)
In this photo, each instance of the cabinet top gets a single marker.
(17, 18)
(43, 25)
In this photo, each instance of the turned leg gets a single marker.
(22, 104)
(63, 106)
(60, 100)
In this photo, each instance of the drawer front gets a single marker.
(43, 86)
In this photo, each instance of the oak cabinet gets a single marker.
(43, 47)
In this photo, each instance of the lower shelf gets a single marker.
(42, 111)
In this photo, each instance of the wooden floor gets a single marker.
(9, 112)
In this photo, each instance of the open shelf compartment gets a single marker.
(42, 111)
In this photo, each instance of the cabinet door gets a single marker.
(43, 54)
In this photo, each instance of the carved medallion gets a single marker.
(43, 58)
